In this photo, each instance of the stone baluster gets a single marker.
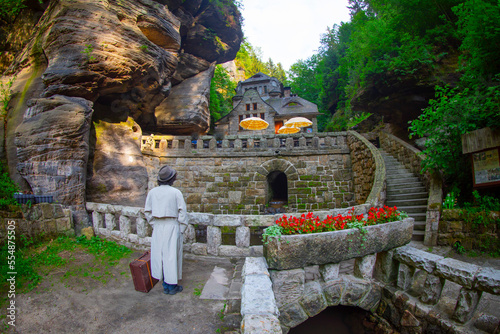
(250, 143)
(214, 240)
(163, 145)
(212, 144)
(329, 141)
(175, 144)
(225, 143)
(199, 144)
(110, 221)
(263, 142)
(466, 304)
(187, 144)
(289, 143)
(315, 142)
(433, 287)
(238, 144)
(276, 142)
(97, 221)
(302, 142)
(364, 266)
(142, 227)
(243, 236)
(405, 276)
(124, 225)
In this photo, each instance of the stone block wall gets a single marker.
(368, 171)
(238, 185)
(454, 227)
(40, 220)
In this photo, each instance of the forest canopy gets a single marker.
(404, 40)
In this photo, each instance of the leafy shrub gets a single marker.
(7, 189)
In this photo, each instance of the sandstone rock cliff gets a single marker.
(109, 63)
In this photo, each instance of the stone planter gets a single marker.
(302, 250)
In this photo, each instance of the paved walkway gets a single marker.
(58, 306)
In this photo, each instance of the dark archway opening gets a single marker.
(278, 189)
(339, 320)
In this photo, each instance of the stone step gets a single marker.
(417, 195)
(413, 209)
(402, 185)
(396, 170)
(419, 227)
(407, 202)
(402, 190)
(403, 176)
(395, 179)
(418, 235)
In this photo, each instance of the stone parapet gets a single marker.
(245, 145)
(128, 226)
(368, 171)
(428, 283)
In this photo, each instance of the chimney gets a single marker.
(287, 91)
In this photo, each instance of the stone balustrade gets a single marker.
(412, 158)
(128, 226)
(244, 145)
(429, 284)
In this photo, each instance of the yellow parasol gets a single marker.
(254, 123)
(298, 122)
(288, 129)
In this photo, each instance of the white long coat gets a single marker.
(165, 210)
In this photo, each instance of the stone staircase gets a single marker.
(407, 193)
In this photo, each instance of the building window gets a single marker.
(254, 115)
(248, 106)
(265, 89)
(255, 106)
(262, 116)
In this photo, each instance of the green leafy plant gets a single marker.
(450, 200)
(144, 48)
(5, 95)
(89, 48)
(7, 189)
(459, 248)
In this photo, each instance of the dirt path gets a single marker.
(82, 304)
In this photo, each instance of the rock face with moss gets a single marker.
(108, 65)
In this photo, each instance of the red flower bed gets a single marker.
(308, 223)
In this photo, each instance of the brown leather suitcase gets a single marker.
(141, 273)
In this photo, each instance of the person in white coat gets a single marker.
(165, 210)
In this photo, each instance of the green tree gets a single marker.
(221, 93)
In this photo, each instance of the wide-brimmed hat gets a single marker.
(166, 174)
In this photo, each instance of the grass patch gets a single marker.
(63, 258)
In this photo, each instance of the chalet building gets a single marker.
(265, 97)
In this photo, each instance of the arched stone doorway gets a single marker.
(277, 183)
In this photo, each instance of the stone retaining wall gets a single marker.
(39, 220)
(230, 176)
(411, 158)
(453, 228)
